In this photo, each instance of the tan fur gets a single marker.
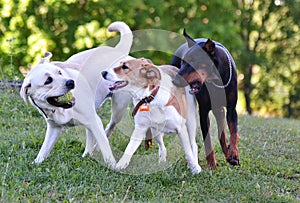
(140, 75)
(139, 72)
(143, 73)
(177, 98)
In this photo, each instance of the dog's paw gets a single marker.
(121, 165)
(38, 160)
(196, 169)
(111, 164)
(162, 156)
(233, 156)
(162, 159)
(123, 162)
(211, 161)
(86, 152)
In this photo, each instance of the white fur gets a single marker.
(90, 91)
(160, 119)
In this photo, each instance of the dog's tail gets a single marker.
(126, 38)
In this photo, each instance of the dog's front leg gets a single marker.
(136, 139)
(209, 149)
(50, 139)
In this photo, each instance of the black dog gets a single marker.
(209, 69)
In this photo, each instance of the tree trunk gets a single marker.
(248, 88)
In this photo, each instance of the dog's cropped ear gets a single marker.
(47, 57)
(149, 71)
(210, 47)
(190, 41)
(24, 90)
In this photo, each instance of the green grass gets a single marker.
(269, 171)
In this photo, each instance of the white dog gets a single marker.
(159, 106)
(66, 93)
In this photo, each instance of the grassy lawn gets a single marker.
(269, 171)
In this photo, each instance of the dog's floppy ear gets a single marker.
(147, 60)
(47, 57)
(24, 89)
(209, 47)
(190, 41)
(149, 71)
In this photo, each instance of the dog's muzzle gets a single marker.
(70, 84)
(179, 81)
(66, 100)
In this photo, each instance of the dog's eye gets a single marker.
(48, 81)
(124, 67)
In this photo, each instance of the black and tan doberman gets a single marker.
(209, 69)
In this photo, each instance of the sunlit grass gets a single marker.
(269, 171)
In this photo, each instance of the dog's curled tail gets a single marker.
(126, 38)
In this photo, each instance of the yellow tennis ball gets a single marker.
(65, 98)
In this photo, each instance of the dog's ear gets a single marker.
(150, 72)
(210, 47)
(147, 60)
(190, 41)
(47, 57)
(24, 90)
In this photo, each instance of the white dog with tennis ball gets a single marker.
(66, 93)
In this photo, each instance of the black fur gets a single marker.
(212, 58)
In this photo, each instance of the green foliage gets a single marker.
(269, 57)
(269, 171)
(261, 35)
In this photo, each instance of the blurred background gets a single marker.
(263, 37)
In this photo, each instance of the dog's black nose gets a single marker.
(104, 74)
(70, 84)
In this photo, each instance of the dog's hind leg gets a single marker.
(220, 118)
(97, 131)
(185, 142)
(162, 153)
(90, 144)
(51, 137)
(233, 154)
(120, 102)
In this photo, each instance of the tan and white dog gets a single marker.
(159, 106)
(48, 86)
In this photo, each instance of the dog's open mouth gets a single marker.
(195, 87)
(65, 101)
(117, 85)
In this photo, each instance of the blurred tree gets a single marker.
(269, 33)
(67, 26)
(262, 36)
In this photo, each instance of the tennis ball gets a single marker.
(65, 98)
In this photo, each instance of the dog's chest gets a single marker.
(164, 119)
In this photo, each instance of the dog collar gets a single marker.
(145, 100)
